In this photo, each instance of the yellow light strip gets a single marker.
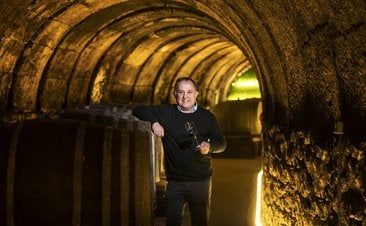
(259, 194)
(247, 83)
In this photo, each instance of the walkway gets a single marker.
(233, 192)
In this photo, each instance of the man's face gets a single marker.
(186, 95)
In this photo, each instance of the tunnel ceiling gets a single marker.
(91, 52)
(58, 54)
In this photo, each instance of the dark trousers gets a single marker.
(198, 196)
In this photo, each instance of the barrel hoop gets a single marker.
(125, 177)
(11, 176)
(107, 174)
(78, 174)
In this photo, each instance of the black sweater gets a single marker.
(182, 161)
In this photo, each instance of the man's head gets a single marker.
(185, 92)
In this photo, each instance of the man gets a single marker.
(189, 135)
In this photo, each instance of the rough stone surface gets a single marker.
(306, 184)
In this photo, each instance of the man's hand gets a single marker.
(157, 129)
(204, 147)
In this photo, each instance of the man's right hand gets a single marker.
(157, 129)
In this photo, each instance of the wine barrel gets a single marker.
(111, 115)
(238, 117)
(241, 125)
(61, 172)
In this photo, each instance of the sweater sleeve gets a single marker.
(146, 113)
(217, 140)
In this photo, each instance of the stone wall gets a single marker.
(308, 184)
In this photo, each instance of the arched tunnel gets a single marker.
(308, 56)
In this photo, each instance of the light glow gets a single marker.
(247, 83)
(97, 92)
(245, 86)
(259, 195)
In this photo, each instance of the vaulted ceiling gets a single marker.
(89, 52)
(58, 54)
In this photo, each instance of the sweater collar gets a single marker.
(195, 107)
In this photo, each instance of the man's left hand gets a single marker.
(205, 148)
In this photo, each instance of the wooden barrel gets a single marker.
(57, 172)
(111, 115)
(241, 125)
(238, 117)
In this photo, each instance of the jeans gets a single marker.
(198, 196)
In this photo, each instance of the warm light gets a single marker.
(247, 83)
(97, 92)
(164, 49)
(259, 194)
(245, 86)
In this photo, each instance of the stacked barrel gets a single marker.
(79, 168)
